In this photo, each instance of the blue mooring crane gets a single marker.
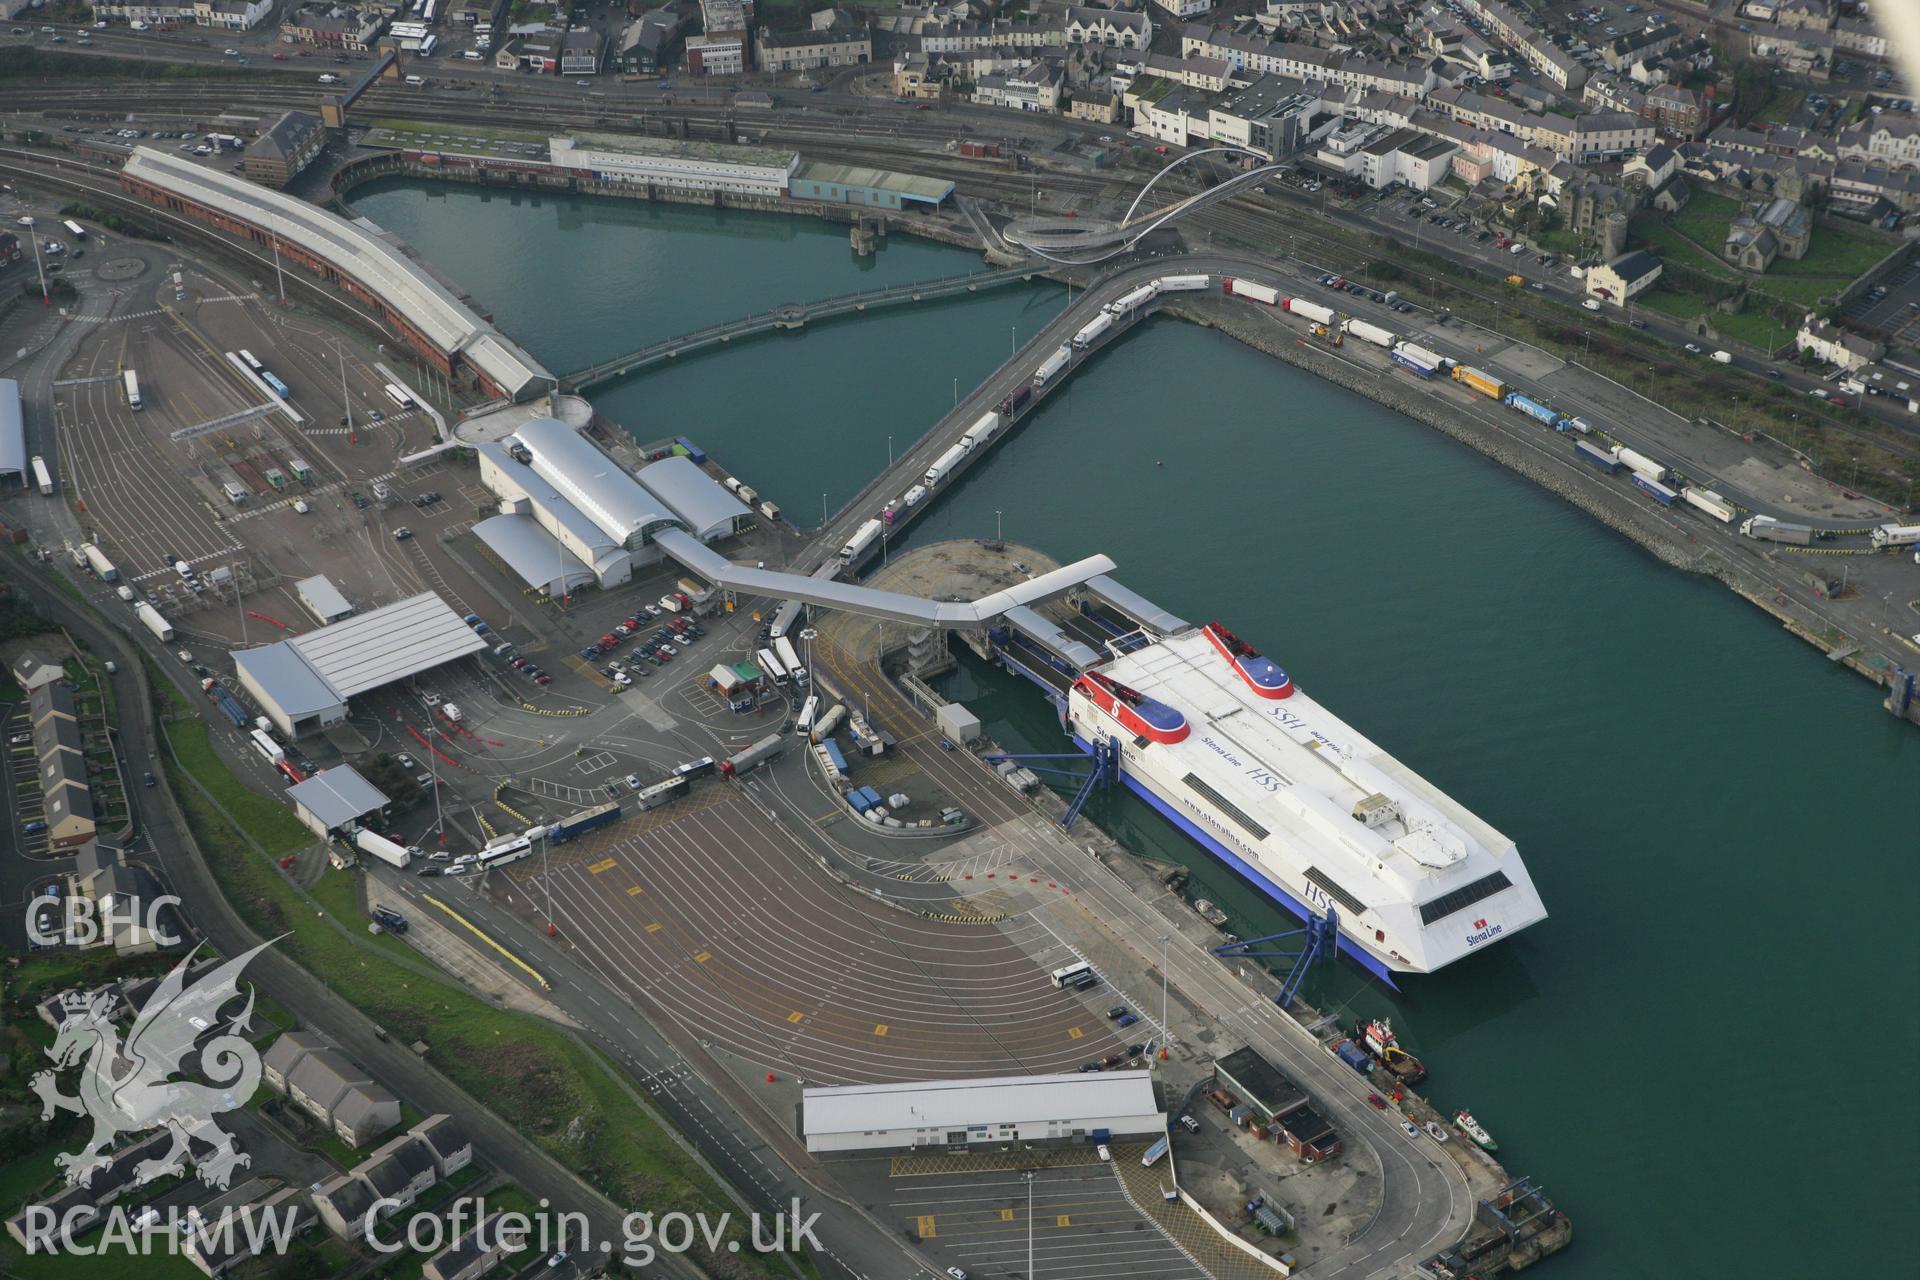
(1318, 940)
(1102, 765)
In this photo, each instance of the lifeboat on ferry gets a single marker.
(1139, 715)
(1262, 675)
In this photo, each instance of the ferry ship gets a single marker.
(1221, 741)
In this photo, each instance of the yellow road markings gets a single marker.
(1074, 1033)
(654, 927)
(796, 1017)
(474, 929)
(1006, 1215)
(924, 1226)
(703, 957)
(605, 864)
(1062, 1220)
(880, 1029)
(635, 891)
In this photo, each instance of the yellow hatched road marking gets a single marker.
(1074, 1033)
(923, 1226)
(1063, 1220)
(653, 928)
(880, 1029)
(635, 891)
(605, 864)
(796, 1017)
(703, 957)
(1006, 1215)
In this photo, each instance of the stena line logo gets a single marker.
(1483, 933)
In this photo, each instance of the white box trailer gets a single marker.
(1897, 535)
(982, 431)
(1710, 502)
(1642, 463)
(862, 538)
(1768, 529)
(1248, 289)
(42, 478)
(1310, 310)
(150, 619)
(1092, 331)
(1372, 333)
(943, 466)
(1050, 367)
(1132, 298)
(372, 842)
(1183, 284)
(101, 566)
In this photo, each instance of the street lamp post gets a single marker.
(33, 234)
(996, 526)
(1029, 1180)
(1165, 1035)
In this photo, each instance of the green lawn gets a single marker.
(1754, 327)
(1669, 246)
(1834, 253)
(557, 1092)
(1706, 216)
(1681, 306)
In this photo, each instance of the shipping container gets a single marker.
(1183, 284)
(1710, 502)
(1768, 529)
(1654, 489)
(732, 483)
(1050, 368)
(1896, 535)
(230, 707)
(42, 478)
(102, 567)
(835, 759)
(769, 510)
(748, 759)
(694, 451)
(1310, 310)
(1249, 290)
(943, 466)
(372, 842)
(150, 618)
(1485, 383)
(829, 723)
(1600, 458)
(1641, 463)
(748, 494)
(1354, 1056)
(580, 823)
(863, 537)
(1092, 331)
(1371, 333)
(1533, 408)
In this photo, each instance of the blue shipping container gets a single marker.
(234, 711)
(1353, 1055)
(1532, 408)
(1597, 457)
(694, 451)
(832, 749)
(1655, 490)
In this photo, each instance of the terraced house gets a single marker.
(832, 38)
(335, 26)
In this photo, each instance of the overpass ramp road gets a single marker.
(891, 605)
(1085, 242)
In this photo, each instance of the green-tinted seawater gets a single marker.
(1702, 1052)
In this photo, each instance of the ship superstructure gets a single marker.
(1223, 742)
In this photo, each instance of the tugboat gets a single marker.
(1377, 1035)
(1471, 1127)
(1210, 913)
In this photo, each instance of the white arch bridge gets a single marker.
(1082, 242)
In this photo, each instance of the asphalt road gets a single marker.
(495, 1142)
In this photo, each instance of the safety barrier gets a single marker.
(963, 917)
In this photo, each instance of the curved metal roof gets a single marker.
(702, 503)
(532, 552)
(590, 479)
(405, 285)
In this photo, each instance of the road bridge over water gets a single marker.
(797, 316)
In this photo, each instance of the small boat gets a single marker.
(1436, 1132)
(1210, 913)
(1471, 1127)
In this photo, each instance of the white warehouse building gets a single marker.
(672, 162)
(571, 515)
(304, 684)
(1065, 1108)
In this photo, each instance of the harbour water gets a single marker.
(1701, 1052)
